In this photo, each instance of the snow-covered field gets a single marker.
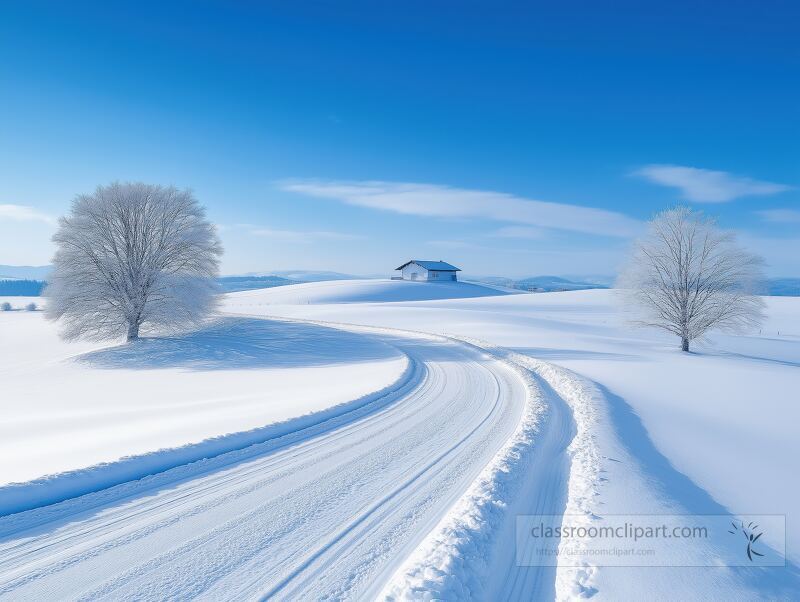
(96, 403)
(537, 404)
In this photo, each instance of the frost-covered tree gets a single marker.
(688, 277)
(130, 257)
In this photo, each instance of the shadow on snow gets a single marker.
(244, 343)
(771, 582)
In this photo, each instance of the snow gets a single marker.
(327, 512)
(575, 413)
(370, 291)
(19, 303)
(96, 404)
(688, 426)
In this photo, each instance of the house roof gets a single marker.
(440, 266)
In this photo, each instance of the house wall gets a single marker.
(437, 276)
(409, 272)
(414, 272)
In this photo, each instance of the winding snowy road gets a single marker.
(327, 512)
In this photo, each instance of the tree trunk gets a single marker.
(684, 344)
(133, 331)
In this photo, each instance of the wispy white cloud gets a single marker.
(452, 244)
(707, 186)
(302, 235)
(529, 232)
(23, 213)
(445, 201)
(783, 216)
(299, 236)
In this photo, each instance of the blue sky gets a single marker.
(509, 139)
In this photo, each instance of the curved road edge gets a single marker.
(456, 560)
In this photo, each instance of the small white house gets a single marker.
(430, 271)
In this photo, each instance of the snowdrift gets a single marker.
(367, 291)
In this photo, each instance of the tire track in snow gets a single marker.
(471, 553)
(544, 492)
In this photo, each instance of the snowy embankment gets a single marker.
(468, 555)
(118, 413)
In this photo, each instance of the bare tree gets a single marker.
(132, 256)
(688, 277)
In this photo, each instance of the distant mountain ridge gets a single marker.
(538, 283)
(232, 284)
(776, 287)
(309, 275)
(554, 283)
(25, 272)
